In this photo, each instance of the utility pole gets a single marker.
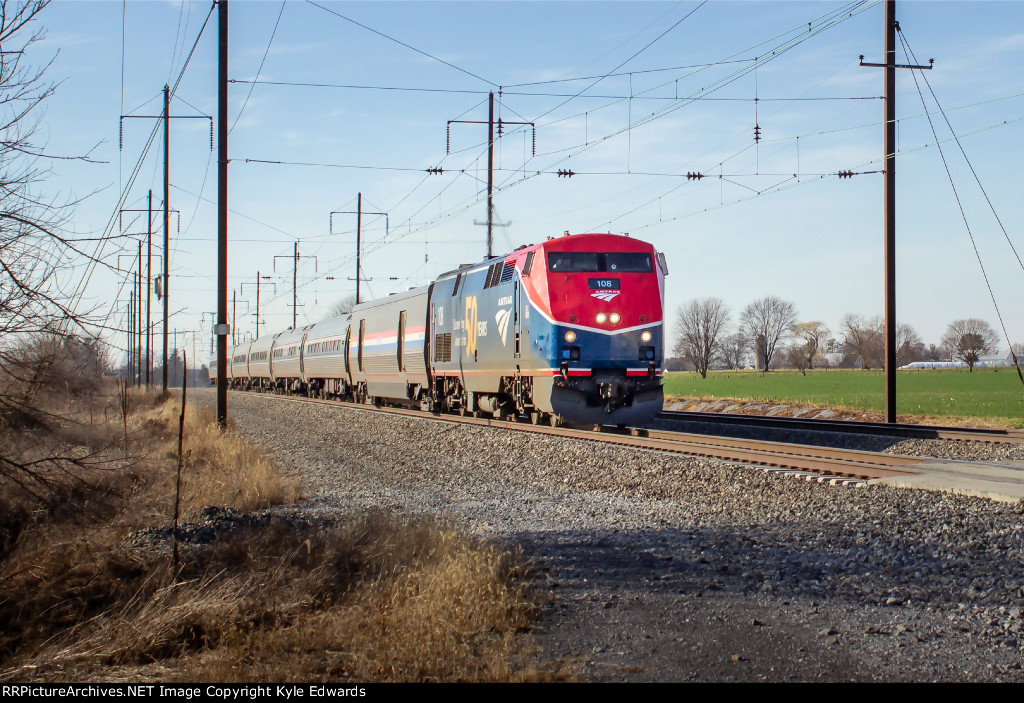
(167, 218)
(148, 282)
(138, 324)
(890, 66)
(234, 320)
(149, 288)
(490, 161)
(295, 280)
(359, 230)
(222, 214)
(295, 285)
(130, 362)
(258, 279)
(131, 331)
(165, 117)
(490, 174)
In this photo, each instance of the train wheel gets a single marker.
(535, 418)
(554, 420)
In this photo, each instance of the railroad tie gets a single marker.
(819, 478)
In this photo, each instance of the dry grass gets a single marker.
(221, 469)
(373, 600)
(362, 598)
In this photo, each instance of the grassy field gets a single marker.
(986, 393)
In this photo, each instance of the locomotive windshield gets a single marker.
(588, 262)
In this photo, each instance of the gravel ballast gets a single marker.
(658, 566)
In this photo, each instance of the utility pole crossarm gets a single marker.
(258, 283)
(490, 160)
(295, 279)
(358, 212)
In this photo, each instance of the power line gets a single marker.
(961, 147)
(80, 288)
(646, 46)
(421, 89)
(963, 214)
(327, 165)
(260, 69)
(402, 43)
(614, 75)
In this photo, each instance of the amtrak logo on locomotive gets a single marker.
(606, 296)
(501, 319)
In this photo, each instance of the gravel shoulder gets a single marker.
(661, 567)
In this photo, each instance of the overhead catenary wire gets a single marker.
(80, 287)
(402, 43)
(643, 49)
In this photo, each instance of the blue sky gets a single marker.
(778, 221)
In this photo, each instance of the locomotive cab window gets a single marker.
(528, 265)
(593, 262)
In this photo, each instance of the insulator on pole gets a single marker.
(534, 140)
(120, 135)
(448, 139)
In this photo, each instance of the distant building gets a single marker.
(987, 361)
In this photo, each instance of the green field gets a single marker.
(986, 393)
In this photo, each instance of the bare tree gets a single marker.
(969, 340)
(796, 356)
(45, 348)
(342, 307)
(768, 322)
(701, 327)
(810, 336)
(735, 350)
(909, 347)
(863, 338)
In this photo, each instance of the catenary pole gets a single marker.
(167, 219)
(222, 213)
(295, 286)
(149, 289)
(490, 175)
(359, 247)
(890, 211)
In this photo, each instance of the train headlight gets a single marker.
(601, 318)
(570, 336)
(645, 336)
(615, 318)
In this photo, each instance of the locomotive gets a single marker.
(567, 331)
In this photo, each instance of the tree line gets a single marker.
(769, 334)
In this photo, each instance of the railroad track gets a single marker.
(846, 463)
(960, 434)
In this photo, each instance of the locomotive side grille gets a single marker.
(507, 272)
(443, 347)
(492, 275)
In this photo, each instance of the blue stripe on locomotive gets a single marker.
(619, 350)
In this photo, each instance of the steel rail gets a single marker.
(907, 431)
(824, 460)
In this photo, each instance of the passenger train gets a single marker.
(567, 331)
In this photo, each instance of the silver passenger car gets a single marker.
(386, 351)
